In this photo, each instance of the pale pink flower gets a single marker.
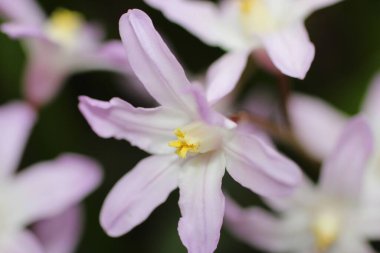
(317, 125)
(332, 216)
(190, 143)
(57, 47)
(40, 192)
(247, 25)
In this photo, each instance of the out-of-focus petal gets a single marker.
(210, 25)
(60, 234)
(138, 193)
(260, 168)
(306, 7)
(49, 188)
(152, 61)
(290, 50)
(316, 124)
(371, 106)
(21, 242)
(256, 227)
(45, 74)
(342, 173)
(23, 11)
(24, 31)
(201, 202)
(148, 129)
(224, 74)
(16, 121)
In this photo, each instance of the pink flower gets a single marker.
(235, 25)
(57, 47)
(40, 192)
(332, 216)
(190, 143)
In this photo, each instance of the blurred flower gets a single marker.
(39, 192)
(249, 25)
(309, 116)
(192, 158)
(330, 217)
(61, 233)
(57, 47)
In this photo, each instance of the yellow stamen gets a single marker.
(184, 144)
(326, 229)
(64, 25)
(246, 6)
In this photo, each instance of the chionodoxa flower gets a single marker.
(57, 47)
(332, 217)
(191, 145)
(46, 191)
(247, 25)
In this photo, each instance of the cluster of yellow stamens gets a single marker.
(183, 144)
(64, 25)
(255, 15)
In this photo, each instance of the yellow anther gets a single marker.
(326, 229)
(184, 144)
(64, 25)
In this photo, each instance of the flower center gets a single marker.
(195, 138)
(64, 26)
(255, 16)
(326, 229)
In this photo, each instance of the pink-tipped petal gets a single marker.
(290, 50)
(224, 74)
(316, 124)
(202, 203)
(152, 61)
(21, 242)
(371, 106)
(49, 188)
(342, 173)
(138, 193)
(22, 11)
(258, 167)
(209, 25)
(60, 234)
(16, 121)
(148, 129)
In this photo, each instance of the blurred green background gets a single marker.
(347, 39)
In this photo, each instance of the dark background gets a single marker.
(347, 39)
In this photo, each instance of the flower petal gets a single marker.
(24, 31)
(45, 74)
(257, 227)
(49, 188)
(152, 61)
(210, 25)
(60, 234)
(138, 193)
(308, 117)
(201, 202)
(23, 11)
(21, 242)
(260, 168)
(148, 129)
(371, 106)
(290, 50)
(342, 173)
(307, 7)
(16, 121)
(224, 74)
